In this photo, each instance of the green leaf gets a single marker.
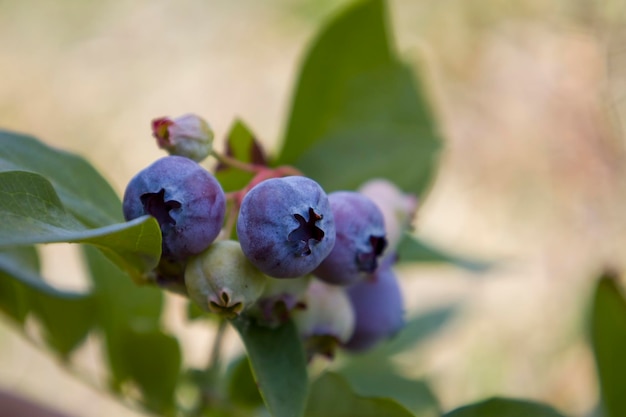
(418, 329)
(242, 389)
(122, 307)
(137, 349)
(34, 213)
(66, 321)
(357, 112)
(14, 299)
(412, 249)
(81, 188)
(278, 365)
(154, 359)
(382, 380)
(242, 145)
(66, 316)
(14, 263)
(373, 372)
(503, 407)
(331, 396)
(608, 338)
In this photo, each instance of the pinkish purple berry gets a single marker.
(360, 239)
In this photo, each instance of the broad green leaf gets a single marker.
(66, 321)
(358, 112)
(137, 349)
(81, 188)
(153, 359)
(503, 407)
(373, 372)
(34, 213)
(331, 396)
(242, 389)
(412, 249)
(278, 364)
(608, 338)
(25, 258)
(382, 380)
(15, 263)
(13, 297)
(66, 316)
(122, 306)
(418, 329)
(242, 145)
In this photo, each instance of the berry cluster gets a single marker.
(322, 260)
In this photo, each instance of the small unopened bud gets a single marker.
(222, 280)
(398, 208)
(188, 135)
(327, 319)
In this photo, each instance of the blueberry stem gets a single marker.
(235, 163)
(231, 218)
(214, 361)
(209, 394)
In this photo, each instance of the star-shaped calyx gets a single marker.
(368, 261)
(306, 231)
(155, 205)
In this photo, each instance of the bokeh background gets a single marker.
(530, 96)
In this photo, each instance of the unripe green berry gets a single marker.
(222, 280)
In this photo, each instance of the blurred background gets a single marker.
(531, 96)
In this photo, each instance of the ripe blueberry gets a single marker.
(360, 239)
(186, 200)
(285, 226)
(378, 307)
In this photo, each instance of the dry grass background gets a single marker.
(529, 96)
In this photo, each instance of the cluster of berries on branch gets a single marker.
(280, 248)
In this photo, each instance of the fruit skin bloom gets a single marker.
(286, 226)
(378, 308)
(187, 201)
(188, 135)
(360, 239)
(222, 280)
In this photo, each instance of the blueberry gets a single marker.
(360, 239)
(378, 307)
(398, 208)
(186, 200)
(285, 226)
